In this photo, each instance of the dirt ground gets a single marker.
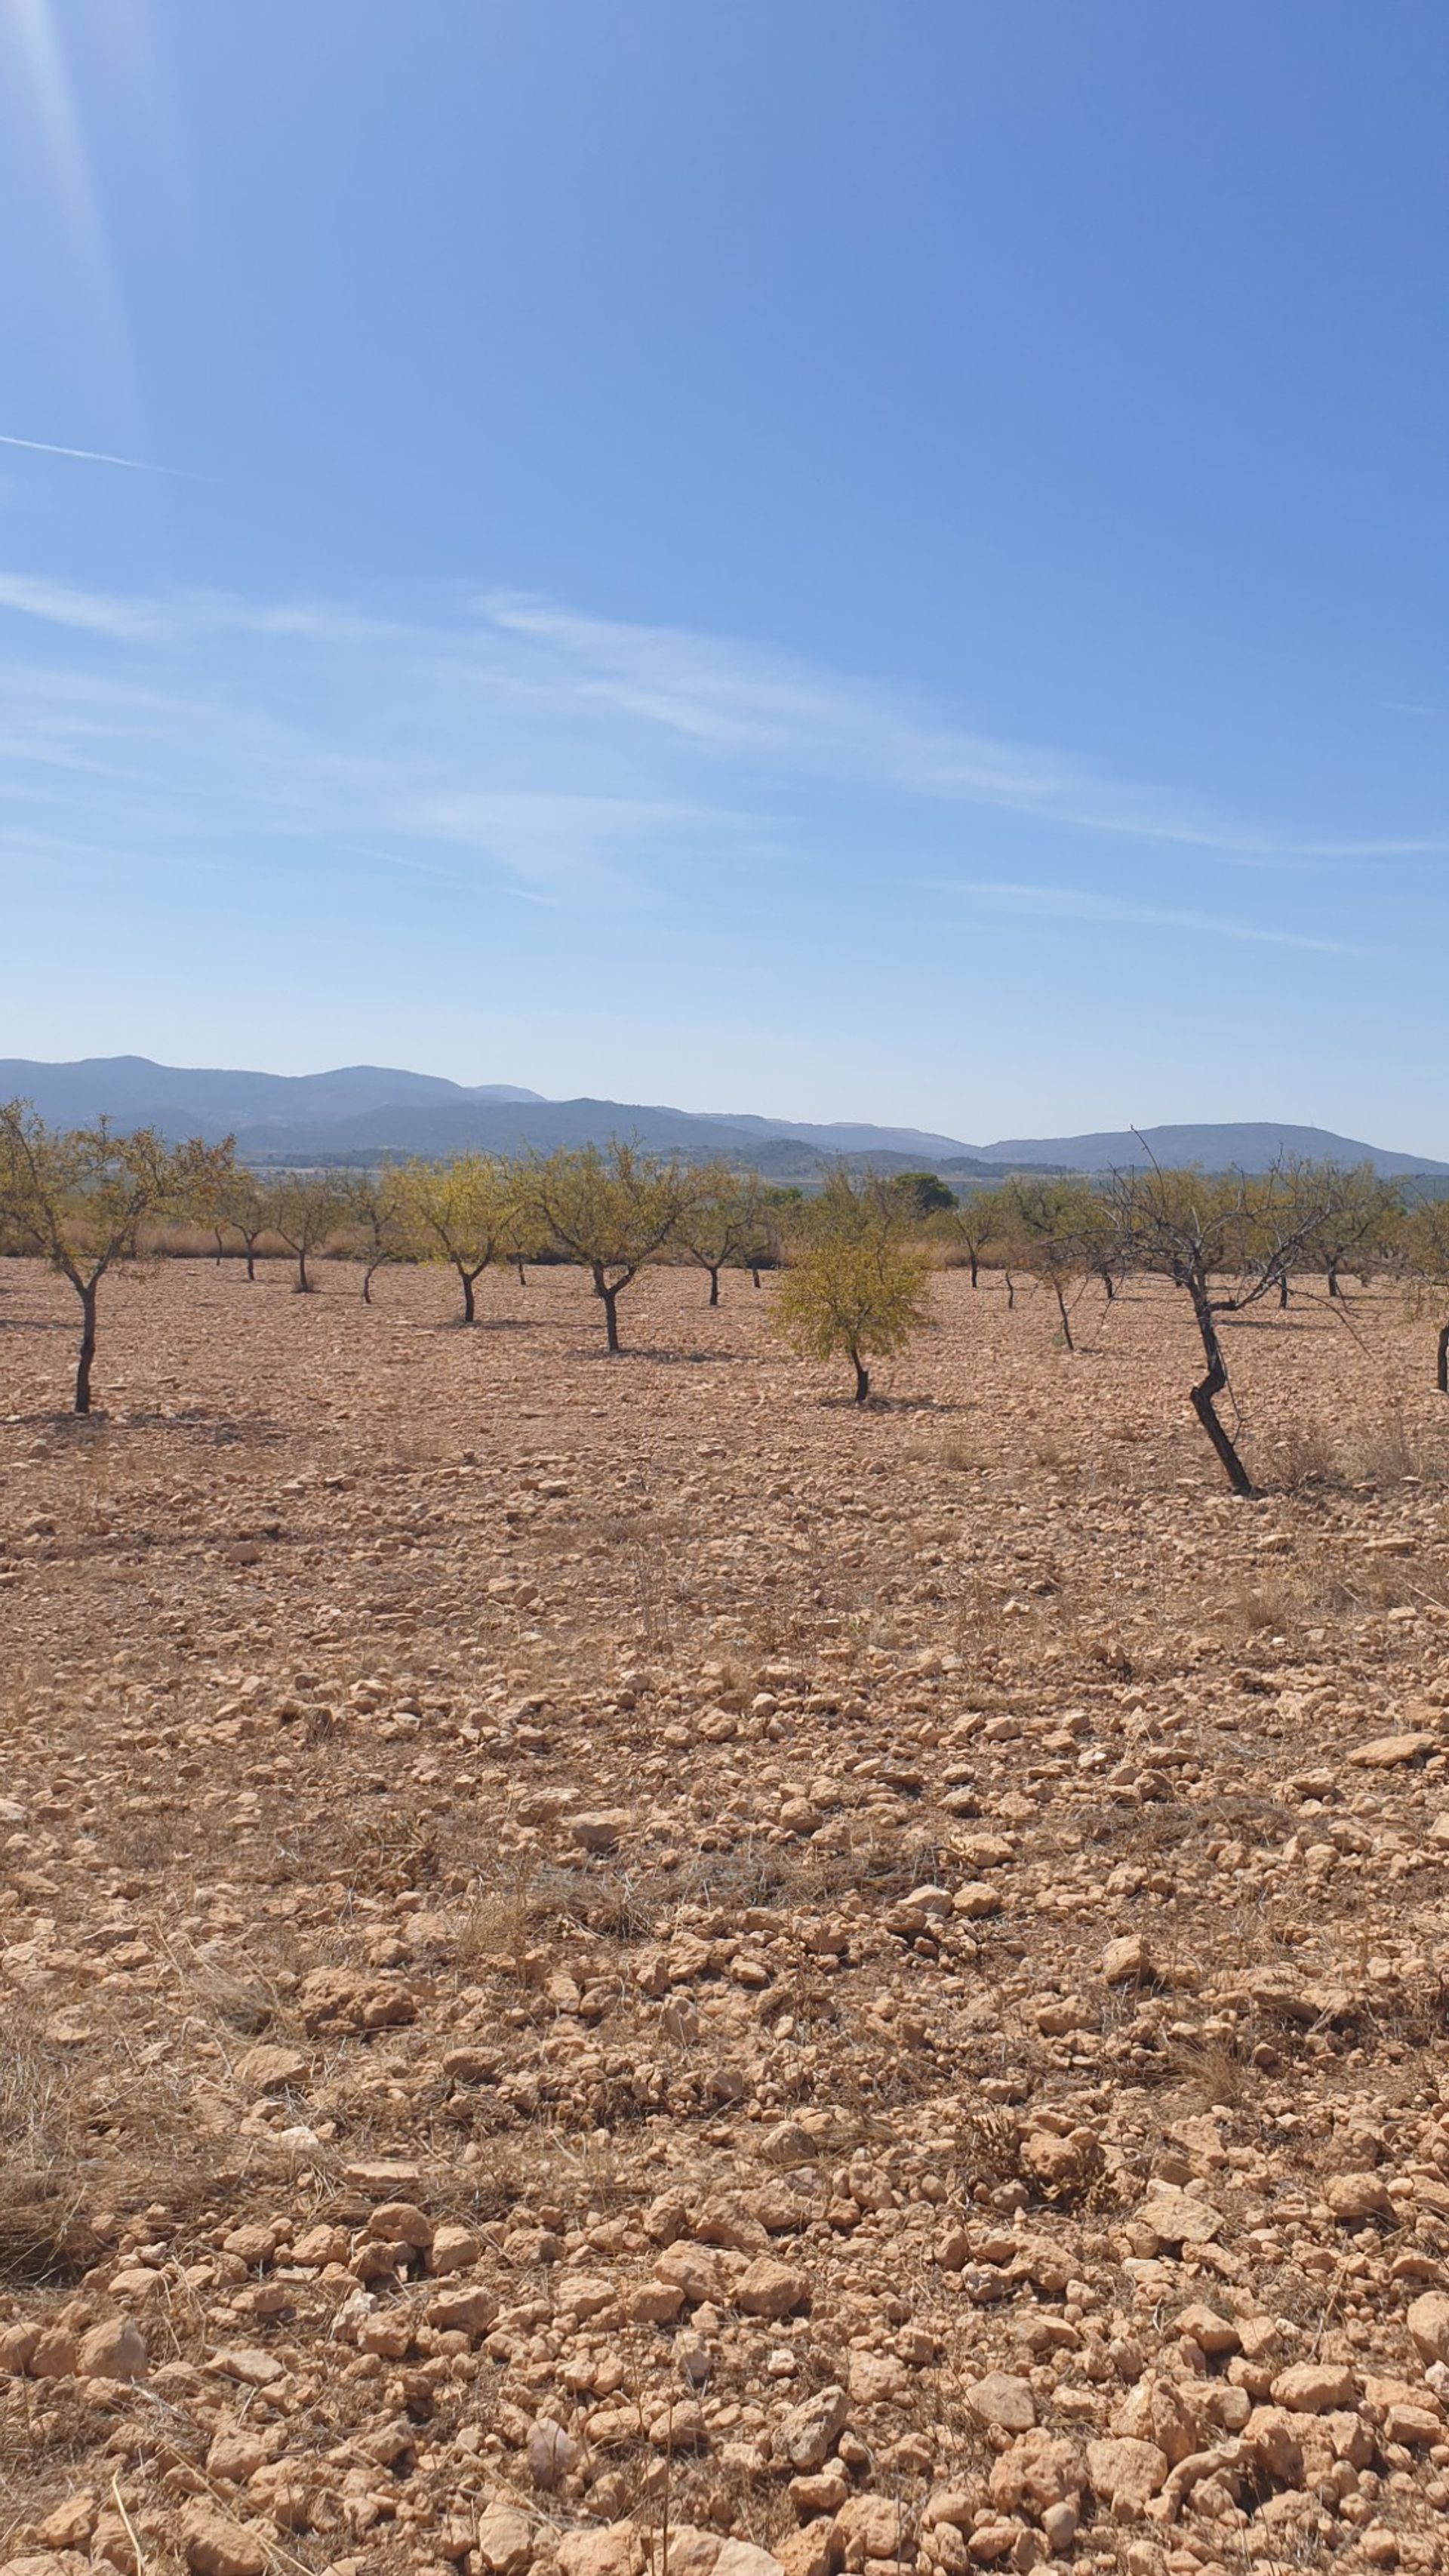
(609, 1962)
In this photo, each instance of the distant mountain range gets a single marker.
(361, 1111)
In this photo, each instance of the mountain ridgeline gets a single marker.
(359, 1113)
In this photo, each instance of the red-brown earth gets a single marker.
(608, 1960)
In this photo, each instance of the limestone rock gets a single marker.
(1002, 2400)
(1428, 2323)
(807, 2435)
(1127, 2473)
(116, 2350)
(770, 2288)
(215, 2545)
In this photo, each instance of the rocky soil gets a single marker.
(618, 1965)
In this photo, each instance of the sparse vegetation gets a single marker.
(855, 1288)
(696, 1836)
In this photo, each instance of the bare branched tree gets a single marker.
(1227, 1243)
(722, 1224)
(303, 1210)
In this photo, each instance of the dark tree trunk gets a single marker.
(304, 1284)
(1202, 1399)
(1109, 1283)
(1283, 1289)
(862, 1377)
(609, 1296)
(754, 1274)
(251, 1256)
(1441, 1370)
(87, 1350)
(1334, 1289)
(470, 1311)
(975, 1269)
(1010, 1288)
(522, 1273)
(220, 1246)
(1066, 1320)
(368, 1276)
(713, 1268)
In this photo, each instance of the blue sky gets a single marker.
(793, 555)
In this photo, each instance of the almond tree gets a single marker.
(1424, 1240)
(1051, 1229)
(613, 1212)
(237, 1204)
(855, 1287)
(974, 1223)
(1356, 1227)
(721, 1227)
(460, 1213)
(303, 1210)
(1226, 1243)
(80, 1195)
(378, 1218)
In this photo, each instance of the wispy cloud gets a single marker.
(91, 612)
(84, 455)
(734, 699)
(1072, 903)
(578, 761)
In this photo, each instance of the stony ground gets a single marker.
(610, 1962)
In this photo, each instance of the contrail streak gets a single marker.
(86, 455)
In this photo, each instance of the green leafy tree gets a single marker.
(79, 1197)
(613, 1212)
(921, 1194)
(855, 1287)
(462, 1213)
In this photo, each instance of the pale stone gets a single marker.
(1002, 2400)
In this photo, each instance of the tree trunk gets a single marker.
(518, 1266)
(87, 1350)
(1334, 1289)
(754, 1274)
(1202, 1400)
(1109, 1283)
(611, 1317)
(220, 1246)
(1066, 1320)
(862, 1377)
(1283, 1290)
(1010, 1288)
(1441, 1371)
(251, 1256)
(304, 1284)
(975, 1268)
(368, 1277)
(470, 1312)
(713, 1268)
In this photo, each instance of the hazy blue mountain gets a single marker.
(1245, 1145)
(846, 1137)
(206, 1101)
(365, 1109)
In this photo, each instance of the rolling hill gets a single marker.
(357, 1112)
